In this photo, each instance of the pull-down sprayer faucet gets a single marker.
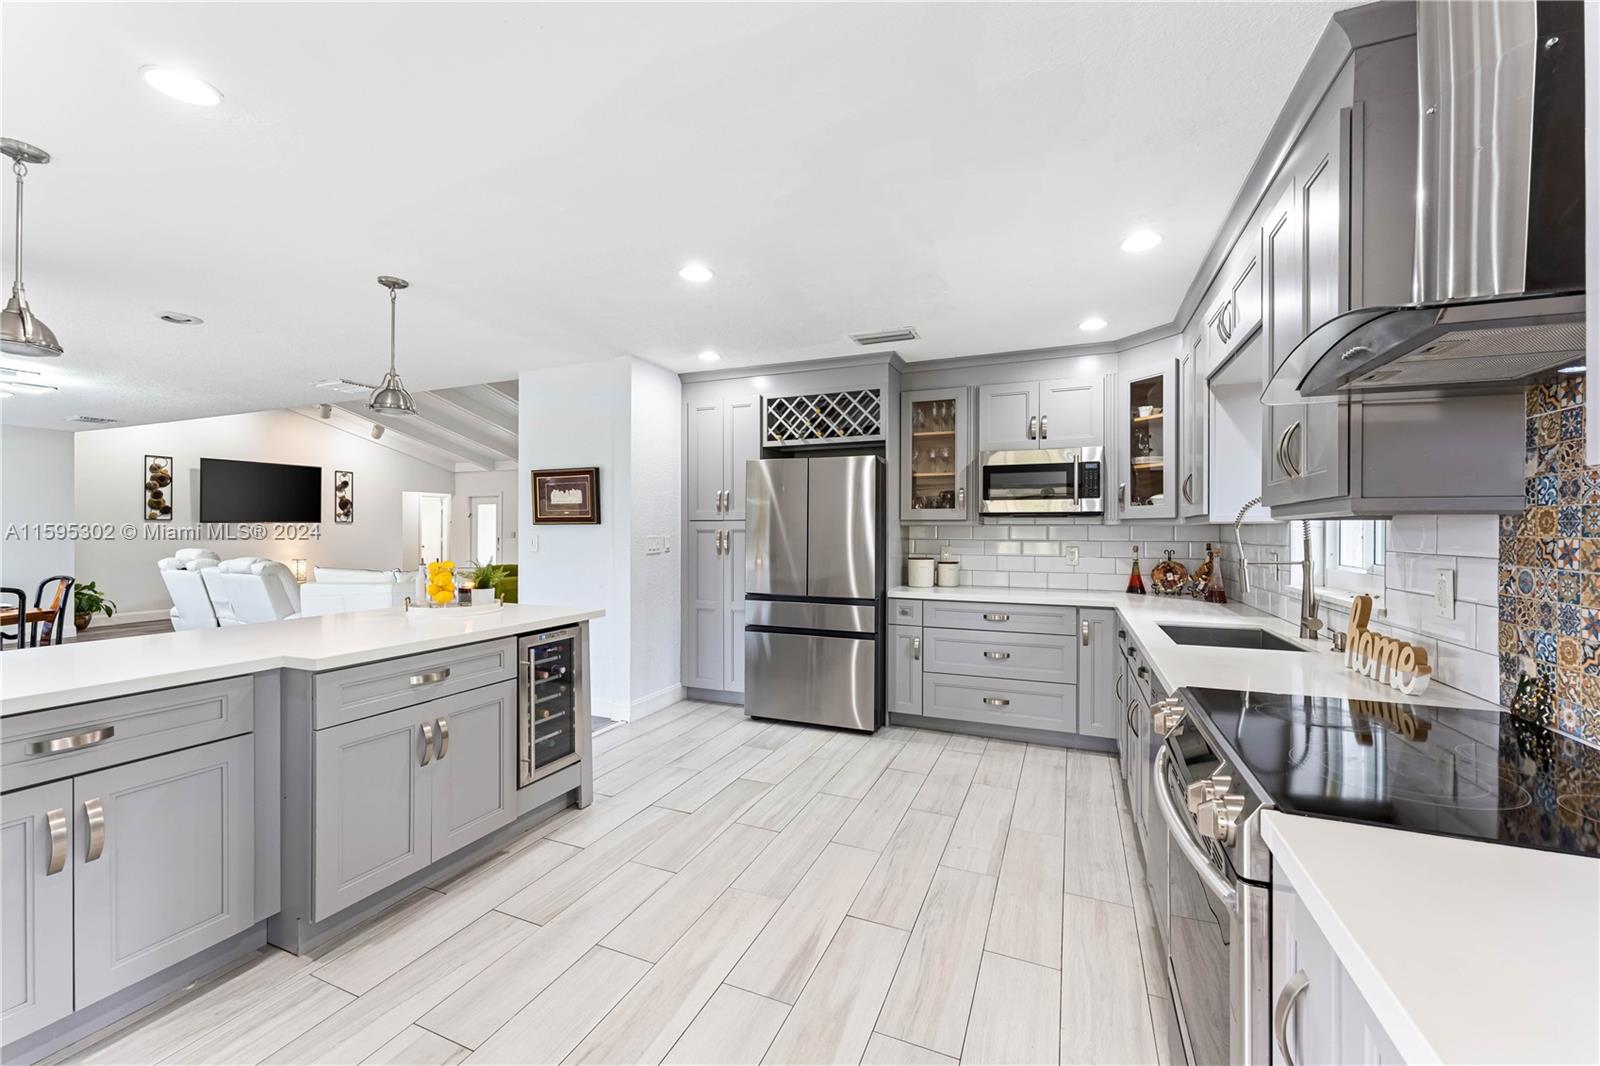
(1310, 624)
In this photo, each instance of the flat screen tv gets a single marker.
(232, 490)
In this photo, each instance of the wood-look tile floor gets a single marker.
(739, 892)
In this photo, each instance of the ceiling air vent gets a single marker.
(885, 336)
(343, 385)
(92, 420)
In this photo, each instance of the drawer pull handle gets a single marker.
(998, 656)
(444, 737)
(996, 701)
(433, 677)
(997, 618)
(427, 744)
(95, 812)
(57, 820)
(72, 743)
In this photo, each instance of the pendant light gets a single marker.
(20, 332)
(391, 397)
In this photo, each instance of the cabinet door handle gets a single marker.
(74, 742)
(997, 656)
(997, 618)
(961, 497)
(95, 813)
(996, 701)
(1044, 427)
(1143, 673)
(444, 737)
(1033, 427)
(1291, 991)
(427, 744)
(1188, 483)
(916, 649)
(1117, 688)
(1288, 447)
(1083, 632)
(431, 678)
(1122, 494)
(57, 820)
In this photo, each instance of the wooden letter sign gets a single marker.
(1385, 659)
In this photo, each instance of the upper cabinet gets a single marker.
(1195, 400)
(1148, 441)
(721, 435)
(936, 448)
(1236, 314)
(1024, 415)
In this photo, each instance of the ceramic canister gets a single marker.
(919, 572)
(949, 575)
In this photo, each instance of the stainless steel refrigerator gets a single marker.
(814, 584)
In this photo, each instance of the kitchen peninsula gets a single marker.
(174, 801)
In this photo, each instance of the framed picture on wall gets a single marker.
(158, 488)
(567, 496)
(344, 497)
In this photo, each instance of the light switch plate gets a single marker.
(1444, 593)
(1072, 554)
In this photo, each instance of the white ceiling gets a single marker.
(539, 173)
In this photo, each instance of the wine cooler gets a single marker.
(553, 704)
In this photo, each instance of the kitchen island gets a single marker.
(174, 801)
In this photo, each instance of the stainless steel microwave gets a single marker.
(1043, 481)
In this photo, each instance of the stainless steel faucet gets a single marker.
(1310, 624)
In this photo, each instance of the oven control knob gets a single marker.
(1218, 819)
(1206, 789)
(1166, 717)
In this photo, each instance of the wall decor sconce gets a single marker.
(344, 497)
(158, 488)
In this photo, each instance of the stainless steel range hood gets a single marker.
(1499, 271)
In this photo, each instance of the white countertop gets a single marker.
(1317, 672)
(1466, 951)
(63, 674)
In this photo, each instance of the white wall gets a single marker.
(108, 489)
(35, 486)
(588, 415)
(469, 483)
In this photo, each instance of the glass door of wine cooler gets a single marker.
(552, 718)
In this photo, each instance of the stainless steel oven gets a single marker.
(1043, 481)
(552, 703)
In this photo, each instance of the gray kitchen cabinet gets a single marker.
(373, 811)
(36, 868)
(1195, 400)
(713, 645)
(1008, 416)
(1022, 656)
(1000, 701)
(164, 863)
(1099, 712)
(720, 435)
(1072, 413)
(905, 670)
(1236, 314)
(1148, 424)
(474, 783)
(1305, 983)
(936, 448)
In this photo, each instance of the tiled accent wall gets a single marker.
(1036, 554)
(1549, 575)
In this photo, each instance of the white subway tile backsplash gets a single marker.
(1414, 533)
(1067, 581)
(1417, 612)
(1027, 581)
(997, 580)
(1476, 535)
(1488, 628)
(1006, 547)
(1014, 563)
(1477, 580)
(1041, 547)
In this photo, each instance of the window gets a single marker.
(1353, 555)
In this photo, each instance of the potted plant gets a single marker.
(88, 601)
(486, 575)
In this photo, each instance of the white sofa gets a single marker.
(183, 576)
(336, 590)
(250, 589)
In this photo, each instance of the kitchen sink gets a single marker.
(1230, 637)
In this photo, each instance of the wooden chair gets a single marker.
(60, 602)
(14, 600)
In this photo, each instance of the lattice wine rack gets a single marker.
(848, 417)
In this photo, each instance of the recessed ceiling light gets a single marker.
(1578, 369)
(709, 356)
(178, 318)
(181, 85)
(698, 273)
(1092, 324)
(1141, 241)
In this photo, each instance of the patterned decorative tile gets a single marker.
(1567, 582)
(1569, 521)
(1567, 620)
(1572, 423)
(1545, 489)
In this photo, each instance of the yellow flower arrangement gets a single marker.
(442, 581)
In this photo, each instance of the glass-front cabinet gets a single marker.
(1147, 417)
(935, 455)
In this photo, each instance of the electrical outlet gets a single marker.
(1072, 554)
(1444, 593)
(666, 543)
(653, 546)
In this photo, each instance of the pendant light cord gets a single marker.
(391, 330)
(20, 169)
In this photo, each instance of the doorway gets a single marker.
(427, 522)
(483, 528)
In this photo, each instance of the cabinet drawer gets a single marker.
(905, 612)
(1020, 656)
(133, 727)
(1000, 617)
(998, 701)
(362, 691)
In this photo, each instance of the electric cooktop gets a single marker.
(1476, 774)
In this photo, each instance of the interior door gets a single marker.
(776, 513)
(483, 521)
(1071, 414)
(474, 788)
(174, 869)
(35, 908)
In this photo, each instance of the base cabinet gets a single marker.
(905, 670)
(400, 790)
(35, 908)
(713, 632)
(1099, 710)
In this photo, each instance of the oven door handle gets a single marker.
(1183, 836)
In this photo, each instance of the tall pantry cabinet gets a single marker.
(720, 435)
